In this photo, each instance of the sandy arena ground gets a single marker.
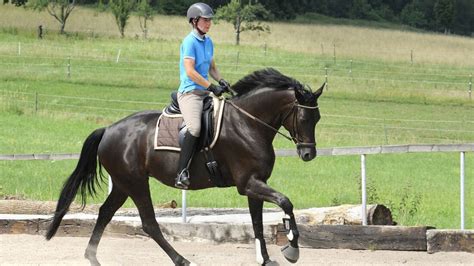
(35, 250)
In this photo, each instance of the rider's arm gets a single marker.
(193, 74)
(214, 72)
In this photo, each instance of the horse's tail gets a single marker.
(83, 178)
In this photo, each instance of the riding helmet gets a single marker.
(198, 10)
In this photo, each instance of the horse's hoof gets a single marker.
(291, 254)
(271, 263)
(186, 262)
(93, 261)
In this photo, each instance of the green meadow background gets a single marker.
(386, 87)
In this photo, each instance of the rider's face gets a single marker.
(204, 24)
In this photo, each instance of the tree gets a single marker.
(16, 2)
(237, 14)
(360, 9)
(121, 10)
(412, 15)
(444, 13)
(463, 22)
(59, 9)
(145, 13)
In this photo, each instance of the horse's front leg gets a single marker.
(255, 207)
(259, 190)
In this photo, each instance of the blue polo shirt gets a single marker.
(202, 51)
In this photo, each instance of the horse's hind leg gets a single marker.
(113, 202)
(142, 199)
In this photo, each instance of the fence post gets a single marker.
(36, 102)
(265, 48)
(326, 79)
(334, 53)
(69, 67)
(363, 190)
(462, 165)
(350, 69)
(237, 62)
(183, 206)
(118, 55)
(470, 86)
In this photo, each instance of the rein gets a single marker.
(290, 138)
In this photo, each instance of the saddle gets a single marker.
(170, 129)
(207, 121)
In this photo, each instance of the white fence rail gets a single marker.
(362, 151)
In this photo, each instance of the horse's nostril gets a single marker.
(307, 156)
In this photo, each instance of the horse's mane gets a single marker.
(265, 78)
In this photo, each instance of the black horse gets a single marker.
(265, 100)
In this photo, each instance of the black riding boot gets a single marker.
(187, 151)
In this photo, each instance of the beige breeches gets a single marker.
(191, 104)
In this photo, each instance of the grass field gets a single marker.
(380, 97)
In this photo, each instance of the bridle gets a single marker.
(294, 130)
(293, 133)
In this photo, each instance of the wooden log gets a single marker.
(25, 226)
(170, 204)
(345, 215)
(450, 240)
(359, 237)
(48, 207)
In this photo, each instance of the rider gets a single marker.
(195, 65)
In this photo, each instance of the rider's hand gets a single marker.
(217, 90)
(225, 85)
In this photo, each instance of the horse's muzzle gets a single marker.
(306, 153)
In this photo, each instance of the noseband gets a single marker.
(294, 134)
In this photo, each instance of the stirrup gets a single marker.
(182, 180)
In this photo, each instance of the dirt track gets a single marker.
(33, 249)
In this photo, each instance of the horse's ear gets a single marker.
(299, 94)
(320, 90)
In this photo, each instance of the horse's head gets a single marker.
(299, 113)
(301, 121)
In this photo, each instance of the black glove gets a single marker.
(224, 85)
(217, 90)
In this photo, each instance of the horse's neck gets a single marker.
(268, 106)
